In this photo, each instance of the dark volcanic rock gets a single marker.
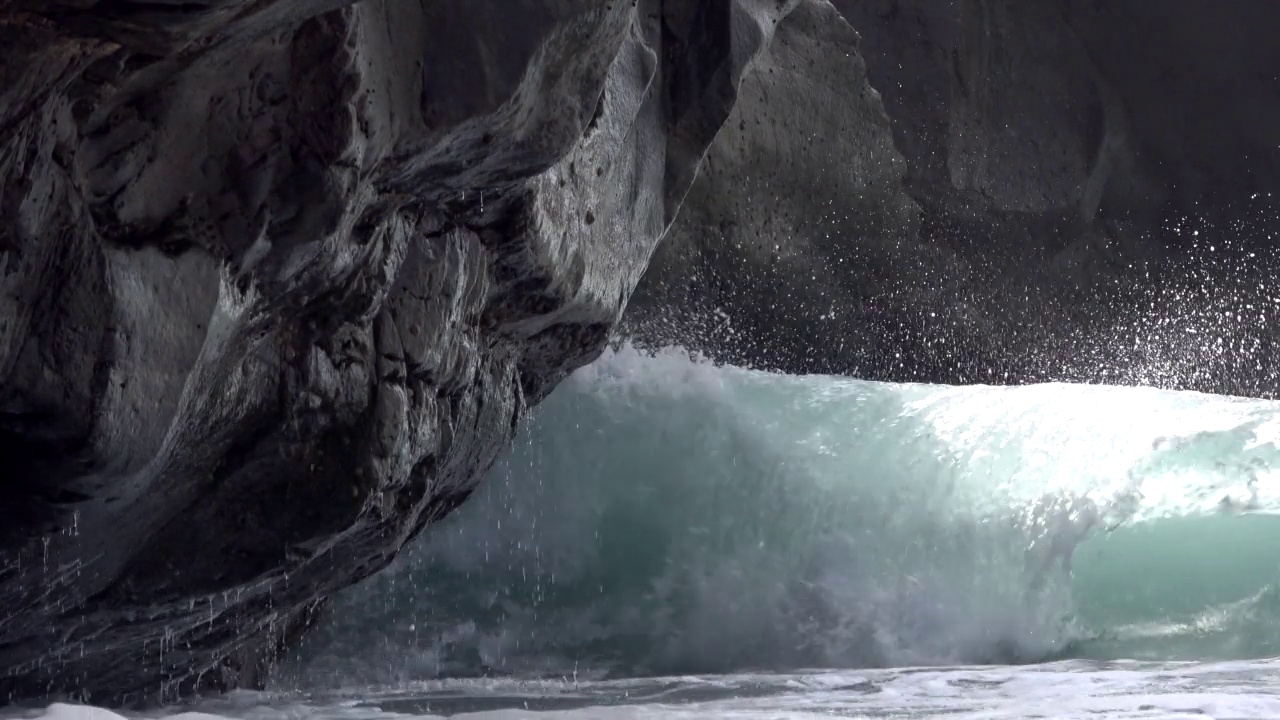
(279, 278)
(800, 192)
(1074, 165)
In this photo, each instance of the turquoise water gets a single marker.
(663, 516)
(1191, 588)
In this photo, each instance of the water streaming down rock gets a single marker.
(664, 515)
(278, 279)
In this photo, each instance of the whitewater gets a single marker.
(670, 538)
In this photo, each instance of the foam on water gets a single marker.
(1063, 691)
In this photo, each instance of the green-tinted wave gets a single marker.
(662, 515)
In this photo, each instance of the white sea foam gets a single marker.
(1063, 691)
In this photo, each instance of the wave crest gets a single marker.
(661, 515)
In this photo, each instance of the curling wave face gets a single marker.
(661, 515)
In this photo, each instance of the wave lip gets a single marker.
(662, 515)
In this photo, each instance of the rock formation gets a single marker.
(279, 278)
(801, 191)
(1096, 190)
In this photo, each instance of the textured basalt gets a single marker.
(993, 191)
(279, 278)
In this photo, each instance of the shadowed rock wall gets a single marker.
(1087, 176)
(278, 280)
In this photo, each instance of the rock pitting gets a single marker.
(278, 280)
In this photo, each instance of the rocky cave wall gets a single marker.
(279, 278)
(1095, 197)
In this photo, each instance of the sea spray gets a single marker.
(663, 515)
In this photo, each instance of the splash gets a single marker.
(663, 515)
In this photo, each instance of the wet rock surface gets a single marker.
(1094, 188)
(278, 279)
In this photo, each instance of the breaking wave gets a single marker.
(663, 515)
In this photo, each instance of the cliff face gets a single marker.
(1089, 182)
(799, 194)
(278, 279)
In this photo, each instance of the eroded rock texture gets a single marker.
(279, 278)
(1095, 196)
(799, 194)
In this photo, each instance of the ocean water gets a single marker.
(1063, 691)
(669, 538)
